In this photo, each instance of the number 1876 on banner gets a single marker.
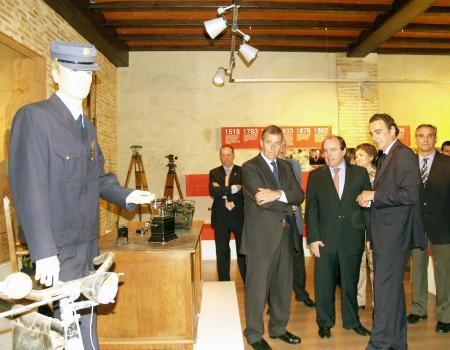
(296, 136)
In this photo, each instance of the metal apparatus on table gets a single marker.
(172, 215)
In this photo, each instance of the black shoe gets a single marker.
(324, 332)
(261, 345)
(361, 330)
(442, 327)
(412, 318)
(308, 302)
(361, 308)
(289, 338)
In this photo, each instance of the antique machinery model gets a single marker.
(163, 225)
(171, 177)
(172, 215)
(139, 176)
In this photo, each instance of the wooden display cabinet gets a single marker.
(159, 296)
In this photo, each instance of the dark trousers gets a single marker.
(325, 279)
(441, 262)
(389, 326)
(300, 273)
(269, 274)
(76, 262)
(222, 234)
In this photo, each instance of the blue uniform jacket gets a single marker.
(56, 177)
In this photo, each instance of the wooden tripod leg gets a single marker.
(130, 167)
(178, 186)
(168, 189)
(138, 182)
(143, 179)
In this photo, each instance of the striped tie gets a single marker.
(275, 171)
(424, 171)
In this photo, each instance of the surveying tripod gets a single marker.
(171, 177)
(139, 176)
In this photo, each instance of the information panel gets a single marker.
(404, 134)
(241, 137)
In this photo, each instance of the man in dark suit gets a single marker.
(270, 190)
(299, 270)
(336, 234)
(57, 178)
(396, 227)
(227, 213)
(435, 175)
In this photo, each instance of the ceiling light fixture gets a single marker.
(216, 26)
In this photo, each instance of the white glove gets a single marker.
(47, 270)
(140, 197)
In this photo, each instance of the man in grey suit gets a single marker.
(396, 227)
(270, 190)
(435, 174)
(56, 175)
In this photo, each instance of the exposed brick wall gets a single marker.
(354, 110)
(33, 24)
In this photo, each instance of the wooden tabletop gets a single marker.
(186, 241)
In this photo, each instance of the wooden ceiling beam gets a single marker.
(263, 48)
(275, 39)
(91, 26)
(130, 6)
(278, 38)
(393, 23)
(244, 23)
(437, 28)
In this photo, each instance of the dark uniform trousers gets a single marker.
(274, 275)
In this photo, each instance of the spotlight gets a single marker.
(219, 77)
(248, 52)
(215, 26)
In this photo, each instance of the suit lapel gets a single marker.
(348, 171)
(435, 167)
(386, 161)
(65, 117)
(267, 171)
(328, 182)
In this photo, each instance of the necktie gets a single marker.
(382, 158)
(336, 179)
(79, 122)
(228, 204)
(227, 176)
(424, 171)
(275, 171)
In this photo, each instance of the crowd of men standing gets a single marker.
(388, 207)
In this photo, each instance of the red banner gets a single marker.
(197, 185)
(296, 136)
(405, 134)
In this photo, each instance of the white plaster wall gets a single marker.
(168, 104)
(414, 104)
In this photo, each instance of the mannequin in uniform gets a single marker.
(56, 175)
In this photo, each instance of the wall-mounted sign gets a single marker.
(296, 136)
(404, 134)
